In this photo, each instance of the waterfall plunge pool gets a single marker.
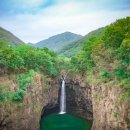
(64, 122)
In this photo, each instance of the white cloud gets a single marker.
(63, 16)
(29, 3)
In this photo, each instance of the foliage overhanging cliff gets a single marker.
(103, 62)
(105, 54)
(107, 57)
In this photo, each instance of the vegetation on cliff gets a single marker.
(24, 58)
(24, 62)
(107, 58)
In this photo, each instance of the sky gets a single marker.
(35, 20)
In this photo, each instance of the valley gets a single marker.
(97, 70)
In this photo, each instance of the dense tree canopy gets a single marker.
(24, 57)
(105, 56)
(109, 55)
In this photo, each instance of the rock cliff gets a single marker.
(26, 115)
(100, 103)
(110, 112)
(103, 103)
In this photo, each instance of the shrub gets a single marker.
(23, 81)
(116, 33)
(104, 74)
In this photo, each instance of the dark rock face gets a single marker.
(78, 100)
(50, 109)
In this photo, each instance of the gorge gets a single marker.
(97, 83)
(62, 120)
(82, 102)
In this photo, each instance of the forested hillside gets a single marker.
(98, 71)
(57, 42)
(105, 53)
(106, 59)
(23, 62)
(74, 47)
(9, 38)
(23, 58)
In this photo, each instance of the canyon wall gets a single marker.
(26, 115)
(111, 111)
(101, 103)
(104, 103)
(79, 100)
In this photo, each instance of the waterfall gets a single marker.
(63, 98)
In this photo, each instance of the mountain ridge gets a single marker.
(57, 42)
(10, 38)
(73, 48)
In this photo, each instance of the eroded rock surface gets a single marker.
(26, 115)
(79, 101)
(109, 111)
(100, 104)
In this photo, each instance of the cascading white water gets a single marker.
(63, 98)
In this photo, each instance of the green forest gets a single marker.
(65, 65)
(103, 58)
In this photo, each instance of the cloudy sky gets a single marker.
(35, 20)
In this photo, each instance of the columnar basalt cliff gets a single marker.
(109, 111)
(99, 104)
(79, 100)
(78, 96)
(41, 96)
(103, 103)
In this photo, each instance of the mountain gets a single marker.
(57, 42)
(74, 47)
(9, 38)
(30, 44)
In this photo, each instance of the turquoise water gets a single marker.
(64, 122)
